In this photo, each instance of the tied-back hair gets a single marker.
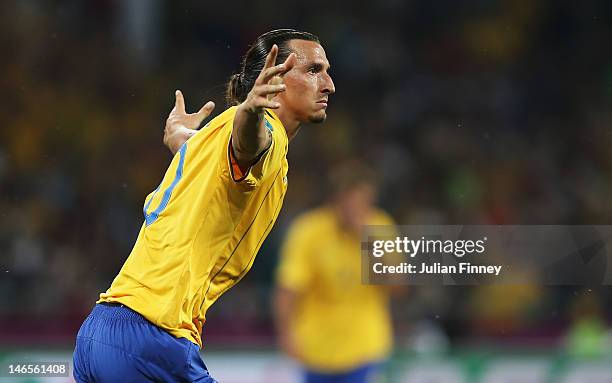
(241, 83)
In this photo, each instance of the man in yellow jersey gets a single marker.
(207, 219)
(337, 328)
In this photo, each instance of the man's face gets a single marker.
(308, 83)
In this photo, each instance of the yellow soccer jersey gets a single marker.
(202, 228)
(339, 323)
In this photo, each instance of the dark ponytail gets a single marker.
(233, 87)
(241, 83)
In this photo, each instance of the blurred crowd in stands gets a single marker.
(474, 113)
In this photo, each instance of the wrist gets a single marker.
(178, 138)
(251, 111)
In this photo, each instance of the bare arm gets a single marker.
(180, 125)
(249, 135)
(284, 308)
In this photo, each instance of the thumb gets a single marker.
(179, 104)
(206, 110)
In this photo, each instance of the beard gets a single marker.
(318, 118)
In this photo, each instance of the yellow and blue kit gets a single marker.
(339, 325)
(203, 226)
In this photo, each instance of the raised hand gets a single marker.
(180, 125)
(268, 84)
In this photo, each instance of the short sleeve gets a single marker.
(263, 165)
(294, 271)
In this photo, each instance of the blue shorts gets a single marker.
(368, 373)
(116, 344)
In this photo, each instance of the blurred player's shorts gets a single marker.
(368, 373)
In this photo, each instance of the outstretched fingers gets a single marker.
(269, 83)
(267, 103)
(265, 90)
(179, 104)
(271, 57)
(206, 110)
(290, 62)
(268, 73)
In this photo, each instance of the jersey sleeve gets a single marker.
(265, 164)
(294, 271)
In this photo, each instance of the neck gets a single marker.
(291, 124)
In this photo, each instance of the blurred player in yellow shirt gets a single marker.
(338, 328)
(207, 219)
